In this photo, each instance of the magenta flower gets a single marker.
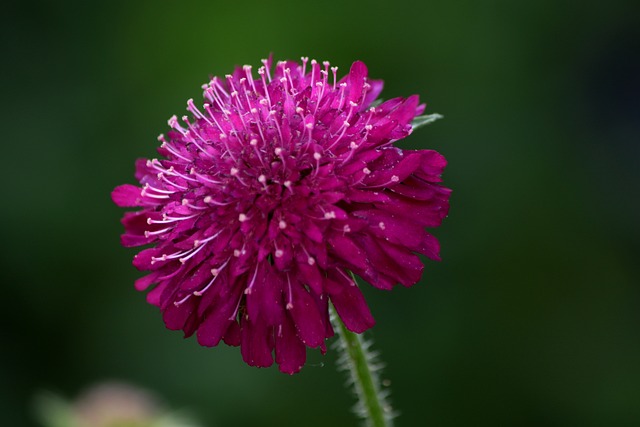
(268, 196)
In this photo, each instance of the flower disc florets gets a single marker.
(268, 196)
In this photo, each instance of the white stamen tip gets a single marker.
(311, 261)
(317, 156)
(278, 151)
(233, 171)
(299, 110)
(207, 199)
(279, 253)
(282, 225)
(329, 215)
(242, 217)
(366, 171)
(353, 145)
(346, 229)
(253, 142)
(262, 179)
(381, 225)
(236, 253)
(309, 125)
(289, 306)
(287, 184)
(395, 178)
(215, 271)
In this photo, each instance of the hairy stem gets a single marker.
(364, 367)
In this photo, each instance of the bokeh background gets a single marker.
(533, 317)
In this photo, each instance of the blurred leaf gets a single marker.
(52, 411)
(425, 120)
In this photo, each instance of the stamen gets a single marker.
(253, 280)
(335, 76)
(266, 67)
(147, 234)
(167, 219)
(290, 302)
(179, 303)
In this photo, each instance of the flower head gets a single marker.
(268, 196)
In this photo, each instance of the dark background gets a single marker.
(533, 317)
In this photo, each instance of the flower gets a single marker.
(269, 196)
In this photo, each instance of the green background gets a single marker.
(533, 317)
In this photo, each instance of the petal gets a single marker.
(218, 318)
(349, 303)
(401, 230)
(389, 260)
(144, 282)
(154, 296)
(175, 316)
(346, 250)
(357, 78)
(255, 346)
(264, 296)
(425, 213)
(232, 336)
(305, 315)
(126, 196)
(291, 353)
(372, 94)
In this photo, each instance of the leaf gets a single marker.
(376, 102)
(425, 120)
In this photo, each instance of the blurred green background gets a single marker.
(533, 317)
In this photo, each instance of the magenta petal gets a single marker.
(357, 77)
(175, 316)
(373, 93)
(255, 346)
(306, 316)
(232, 336)
(217, 320)
(265, 297)
(126, 196)
(144, 259)
(346, 250)
(153, 297)
(145, 281)
(350, 304)
(291, 353)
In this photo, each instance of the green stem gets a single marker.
(372, 404)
